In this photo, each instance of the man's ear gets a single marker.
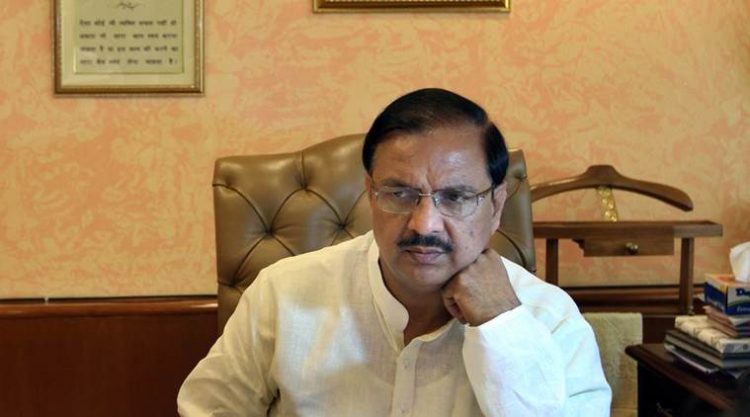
(498, 202)
(368, 186)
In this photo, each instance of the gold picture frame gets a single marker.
(322, 6)
(128, 46)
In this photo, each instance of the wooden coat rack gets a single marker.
(624, 238)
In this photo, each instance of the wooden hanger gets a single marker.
(606, 175)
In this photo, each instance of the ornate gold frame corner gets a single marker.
(324, 6)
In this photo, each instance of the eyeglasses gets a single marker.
(450, 203)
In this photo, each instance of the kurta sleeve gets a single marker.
(519, 364)
(233, 379)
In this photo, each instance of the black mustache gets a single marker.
(429, 240)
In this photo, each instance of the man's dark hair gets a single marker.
(430, 108)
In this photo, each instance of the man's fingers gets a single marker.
(453, 308)
(481, 291)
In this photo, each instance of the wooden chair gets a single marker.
(613, 237)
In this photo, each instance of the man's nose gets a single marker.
(425, 219)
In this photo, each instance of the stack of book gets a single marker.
(720, 339)
(735, 326)
(712, 342)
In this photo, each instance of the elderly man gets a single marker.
(418, 317)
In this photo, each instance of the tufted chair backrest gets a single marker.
(268, 207)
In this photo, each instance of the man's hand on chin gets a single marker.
(481, 291)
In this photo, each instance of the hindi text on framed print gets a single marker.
(128, 46)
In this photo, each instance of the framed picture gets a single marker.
(128, 46)
(411, 5)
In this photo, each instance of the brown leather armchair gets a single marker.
(268, 207)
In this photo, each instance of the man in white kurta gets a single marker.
(418, 317)
(320, 335)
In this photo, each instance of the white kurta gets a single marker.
(320, 335)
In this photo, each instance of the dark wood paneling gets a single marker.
(100, 358)
(128, 357)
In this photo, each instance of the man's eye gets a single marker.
(401, 194)
(455, 197)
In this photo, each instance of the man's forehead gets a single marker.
(452, 157)
(464, 136)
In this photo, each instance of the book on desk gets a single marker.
(681, 342)
(700, 342)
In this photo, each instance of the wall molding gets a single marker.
(111, 306)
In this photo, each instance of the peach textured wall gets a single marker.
(112, 196)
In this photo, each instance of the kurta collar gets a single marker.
(393, 314)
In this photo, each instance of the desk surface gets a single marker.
(717, 390)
